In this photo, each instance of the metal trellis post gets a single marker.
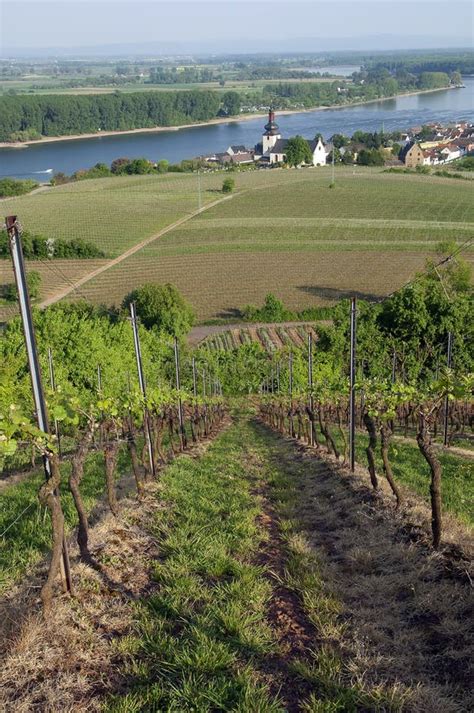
(33, 365)
(194, 378)
(182, 431)
(446, 400)
(141, 381)
(352, 375)
(52, 382)
(310, 387)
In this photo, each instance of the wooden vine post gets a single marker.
(49, 492)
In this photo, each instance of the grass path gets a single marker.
(254, 577)
(272, 594)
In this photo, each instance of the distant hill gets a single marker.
(243, 46)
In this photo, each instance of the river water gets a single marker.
(399, 113)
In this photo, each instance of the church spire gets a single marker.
(271, 127)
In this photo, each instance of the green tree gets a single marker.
(298, 151)
(231, 103)
(370, 157)
(163, 307)
(162, 166)
(228, 185)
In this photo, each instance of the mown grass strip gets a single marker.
(200, 638)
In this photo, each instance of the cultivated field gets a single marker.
(283, 231)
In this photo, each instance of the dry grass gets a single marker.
(70, 662)
(405, 609)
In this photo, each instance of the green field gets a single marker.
(283, 231)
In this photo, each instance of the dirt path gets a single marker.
(131, 251)
(404, 614)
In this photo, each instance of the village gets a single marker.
(428, 145)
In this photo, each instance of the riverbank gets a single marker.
(211, 122)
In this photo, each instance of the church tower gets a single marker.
(271, 133)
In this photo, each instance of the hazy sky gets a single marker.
(75, 23)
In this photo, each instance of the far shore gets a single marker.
(220, 120)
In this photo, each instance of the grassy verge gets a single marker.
(203, 641)
(411, 469)
(26, 524)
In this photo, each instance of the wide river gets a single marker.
(400, 113)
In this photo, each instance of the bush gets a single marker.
(163, 307)
(33, 281)
(228, 185)
(12, 187)
(273, 310)
(37, 247)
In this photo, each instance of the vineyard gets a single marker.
(283, 231)
(277, 518)
(271, 337)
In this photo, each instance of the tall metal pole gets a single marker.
(199, 190)
(182, 431)
(141, 381)
(394, 366)
(194, 378)
(352, 373)
(310, 387)
(290, 389)
(33, 365)
(446, 400)
(52, 382)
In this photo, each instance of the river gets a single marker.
(399, 113)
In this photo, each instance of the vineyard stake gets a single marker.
(352, 375)
(290, 388)
(278, 377)
(446, 400)
(194, 378)
(52, 382)
(34, 366)
(394, 366)
(141, 381)
(182, 431)
(310, 387)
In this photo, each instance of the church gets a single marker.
(272, 147)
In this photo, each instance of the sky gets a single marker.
(186, 24)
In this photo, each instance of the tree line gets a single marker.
(56, 115)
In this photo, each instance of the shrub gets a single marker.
(13, 187)
(228, 185)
